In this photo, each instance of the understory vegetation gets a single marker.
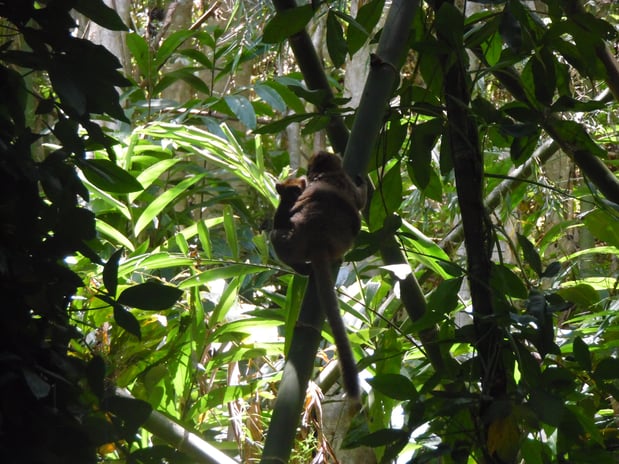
(142, 300)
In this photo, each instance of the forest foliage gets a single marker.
(134, 254)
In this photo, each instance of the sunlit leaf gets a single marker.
(108, 176)
(162, 201)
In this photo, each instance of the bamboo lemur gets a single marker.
(315, 224)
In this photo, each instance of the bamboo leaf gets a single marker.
(162, 201)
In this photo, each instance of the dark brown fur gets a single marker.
(316, 226)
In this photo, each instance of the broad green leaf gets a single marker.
(281, 124)
(141, 53)
(318, 97)
(547, 407)
(162, 201)
(582, 294)
(108, 176)
(224, 272)
(101, 14)
(545, 80)
(148, 176)
(607, 369)
(197, 56)
(127, 321)
(603, 226)
(361, 27)
(444, 299)
(110, 272)
(114, 234)
(389, 189)
(150, 296)
(112, 202)
(153, 261)
(531, 255)
(133, 412)
(492, 49)
(449, 24)
(382, 437)
(552, 270)
(286, 23)
(523, 147)
(423, 249)
(281, 86)
(336, 43)
(243, 109)
(505, 282)
(186, 75)
(581, 353)
(575, 134)
(170, 45)
(532, 451)
(423, 140)
(271, 97)
(394, 386)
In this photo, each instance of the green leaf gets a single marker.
(423, 140)
(552, 270)
(110, 272)
(383, 437)
(543, 68)
(141, 53)
(133, 413)
(224, 272)
(318, 97)
(286, 23)
(363, 25)
(444, 299)
(531, 255)
(394, 386)
(230, 229)
(547, 407)
(108, 176)
(170, 45)
(505, 282)
(243, 109)
(603, 226)
(280, 125)
(162, 201)
(183, 74)
(150, 296)
(127, 321)
(389, 190)
(583, 295)
(197, 56)
(607, 369)
(271, 97)
(581, 353)
(148, 176)
(575, 135)
(205, 239)
(101, 14)
(449, 24)
(281, 86)
(336, 43)
(523, 147)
